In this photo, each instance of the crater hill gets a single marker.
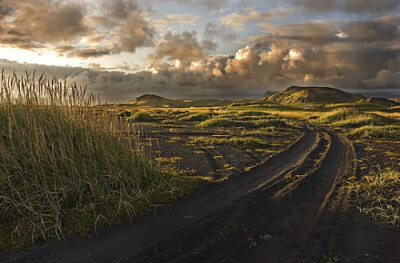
(320, 95)
(324, 95)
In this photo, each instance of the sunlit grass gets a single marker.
(239, 142)
(376, 132)
(353, 118)
(141, 117)
(196, 117)
(378, 195)
(66, 166)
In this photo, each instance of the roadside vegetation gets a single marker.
(239, 142)
(378, 195)
(370, 131)
(64, 167)
(377, 190)
(226, 121)
(353, 118)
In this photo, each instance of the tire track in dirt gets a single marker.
(290, 215)
(253, 207)
(125, 241)
(314, 192)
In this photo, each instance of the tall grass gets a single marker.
(65, 166)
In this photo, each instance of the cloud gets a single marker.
(45, 20)
(384, 79)
(182, 18)
(379, 30)
(182, 47)
(383, 29)
(273, 64)
(214, 31)
(115, 26)
(349, 54)
(89, 52)
(237, 20)
(210, 4)
(126, 22)
(349, 6)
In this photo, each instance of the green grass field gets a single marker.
(68, 165)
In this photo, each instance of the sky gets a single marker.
(230, 49)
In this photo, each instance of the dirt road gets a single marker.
(291, 208)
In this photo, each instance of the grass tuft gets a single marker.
(378, 195)
(141, 117)
(219, 123)
(196, 117)
(238, 142)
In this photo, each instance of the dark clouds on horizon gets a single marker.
(361, 53)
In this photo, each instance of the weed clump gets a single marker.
(378, 195)
(219, 123)
(196, 117)
(238, 142)
(124, 114)
(141, 117)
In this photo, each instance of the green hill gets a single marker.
(152, 100)
(319, 95)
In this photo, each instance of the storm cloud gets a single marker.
(117, 26)
(208, 48)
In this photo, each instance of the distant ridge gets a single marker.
(382, 102)
(149, 97)
(320, 95)
(153, 100)
(396, 99)
(150, 100)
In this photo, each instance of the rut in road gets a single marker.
(272, 222)
(127, 241)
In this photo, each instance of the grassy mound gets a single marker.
(376, 132)
(275, 123)
(196, 117)
(253, 114)
(141, 117)
(219, 123)
(319, 95)
(352, 118)
(64, 169)
(378, 195)
(124, 114)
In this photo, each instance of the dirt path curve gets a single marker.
(288, 209)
